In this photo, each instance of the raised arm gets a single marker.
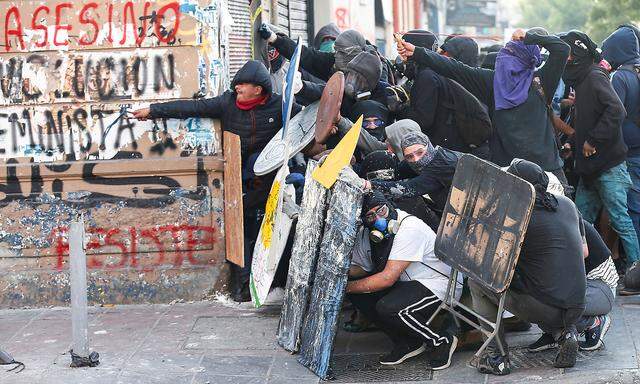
(319, 64)
(478, 81)
(552, 70)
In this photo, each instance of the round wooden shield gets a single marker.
(300, 134)
(329, 108)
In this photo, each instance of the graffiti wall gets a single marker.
(150, 193)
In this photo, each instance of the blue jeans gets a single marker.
(610, 190)
(633, 196)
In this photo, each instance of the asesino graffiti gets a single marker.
(56, 25)
(180, 241)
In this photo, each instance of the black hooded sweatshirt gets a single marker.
(598, 111)
(598, 118)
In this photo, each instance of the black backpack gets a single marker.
(471, 116)
(635, 69)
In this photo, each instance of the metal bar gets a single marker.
(498, 321)
(78, 271)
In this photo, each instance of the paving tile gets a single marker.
(223, 332)
(257, 366)
(204, 378)
(287, 380)
(290, 368)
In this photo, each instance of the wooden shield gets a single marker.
(484, 222)
(329, 108)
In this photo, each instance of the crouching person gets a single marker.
(400, 282)
(541, 292)
(602, 281)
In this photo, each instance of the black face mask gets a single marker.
(576, 70)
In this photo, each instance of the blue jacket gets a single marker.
(621, 49)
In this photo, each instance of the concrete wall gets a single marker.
(151, 192)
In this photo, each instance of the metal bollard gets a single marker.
(80, 356)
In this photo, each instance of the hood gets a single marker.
(369, 108)
(421, 38)
(329, 31)
(253, 72)
(396, 131)
(463, 49)
(369, 68)
(379, 165)
(621, 47)
(348, 45)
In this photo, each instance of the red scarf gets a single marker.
(248, 105)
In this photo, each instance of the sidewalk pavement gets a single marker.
(222, 342)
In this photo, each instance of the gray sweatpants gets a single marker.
(599, 297)
(550, 319)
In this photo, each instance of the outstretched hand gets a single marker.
(142, 114)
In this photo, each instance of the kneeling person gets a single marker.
(404, 282)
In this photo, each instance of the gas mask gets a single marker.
(383, 229)
(356, 86)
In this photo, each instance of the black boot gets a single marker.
(240, 291)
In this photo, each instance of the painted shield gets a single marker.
(272, 238)
(329, 108)
(300, 133)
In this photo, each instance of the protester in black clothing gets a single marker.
(435, 104)
(525, 130)
(253, 112)
(383, 165)
(398, 282)
(540, 291)
(599, 148)
(461, 48)
(602, 280)
(431, 171)
(325, 39)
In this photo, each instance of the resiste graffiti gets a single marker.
(150, 191)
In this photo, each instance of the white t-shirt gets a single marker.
(414, 242)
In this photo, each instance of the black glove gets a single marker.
(266, 32)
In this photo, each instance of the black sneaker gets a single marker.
(594, 337)
(494, 364)
(567, 351)
(545, 342)
(440, 356)
(401, 353)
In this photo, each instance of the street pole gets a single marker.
(78, 267)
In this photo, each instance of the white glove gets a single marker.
(297, 82)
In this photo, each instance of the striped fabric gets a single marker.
(606, 272)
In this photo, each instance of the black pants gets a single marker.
(402, 312)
